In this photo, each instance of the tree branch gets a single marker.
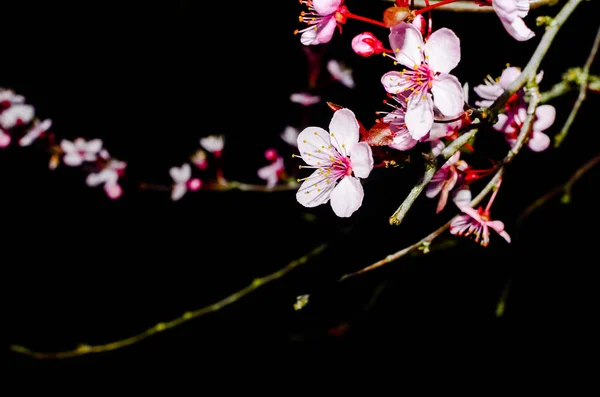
(471, 6)
(583, 87)
(534, 97)
(533, 65)
(564, 188)
(163, 326)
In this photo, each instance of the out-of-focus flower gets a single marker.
(511, 14)
(305, 99)
(366, 44)
(477, 222)
(4, 139)
(290, 136)
(80, 150)
(108, 177)
(183, 181)
(213, 144)
(36, 130)
(16, 114)
(272, 172)
(322, 18)
(341, 73)
(510, 124)
(427, 75)
(340, 160)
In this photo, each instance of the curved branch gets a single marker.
(163, 326)
(533, 65)
(526, 130)
(585, 76)
(471, 6)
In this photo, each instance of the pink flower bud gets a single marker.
(271, 154)
(194, 184)
(419, 23)
(366, 44)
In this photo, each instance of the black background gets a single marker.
(150, 79)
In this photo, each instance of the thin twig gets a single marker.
(163, 326)
(533, 65)
(430, 170)
(564, 188)
(471, 6)
(585, 75)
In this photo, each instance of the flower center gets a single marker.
(419, 80)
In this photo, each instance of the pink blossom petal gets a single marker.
(442, 50)
(545, 116)
(67, 146)
(403, 141)
(538, 141)
(304, 98)
(488, 91)
(522, 8)
(503, 124)
(361, 157)
(394, 83)
(113, 190)
(434, 187)
(509, 15)
(15, 114)
(34, 132)
(310, 141)
(321, 35)
(437, 146)
(347, 197)
(4, 139)
(448, 95)
(419, 115)
(498, 226)
(473, 213)
(72, 160)
(326, 7)
(94, 145)
(508, 76)
(179, 190)
(344, 130)
(315, 190)
(407, 42)
(182, 174)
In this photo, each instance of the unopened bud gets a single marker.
(366, 44)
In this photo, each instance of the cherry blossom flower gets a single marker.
(108, 177)
(429, 64)
(366, 44)
(16, 114)
(340, 160)
(290, 135)
(305, 99)
(8, 98)
(213, 143)
(272, 172)
(322, 18)
(477, 222)
(402, 139)
(80, 150)
(36, 130)
(510, 124)
(183, 181)
(492, 89)
(445, 179)
(341, 73)
(511, 14)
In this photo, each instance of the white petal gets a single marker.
(442, 50)
(419, 115)
(94, 145)
(72, 159)
(407, 43)
(344, 130)
(347, 197)
(179, 190)
(315, 190)
(448, 95)
(538, 141)
(315, 147)
(361, 157)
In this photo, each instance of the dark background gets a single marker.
(151, 79)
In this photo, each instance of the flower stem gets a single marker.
(354, 16)
(431, 7)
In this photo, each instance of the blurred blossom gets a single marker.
(35, 132)
(213, 143)
(305, 99)
(182, 178)
(341, 73)
(75, 153)
(290, 135)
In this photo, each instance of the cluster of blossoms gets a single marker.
(428, 104)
